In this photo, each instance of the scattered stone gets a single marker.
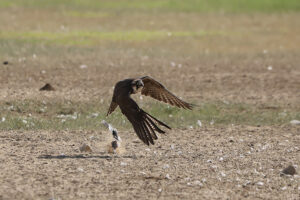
(47, 87)
(83, 66)
(166, 166)
(93, 115)
(260, 183)
(295, 122)
(168, 176)
(172, 146)
(67, 114)
(199, 123)
(270, 68)
(198, 183)
(284, 188)
(85, 148)
(290, 170)
(5, 63)
(92, 137)
(80, 169)
(223, 174)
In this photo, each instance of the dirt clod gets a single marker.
(290, 170)
(47, 87)
(85, 148)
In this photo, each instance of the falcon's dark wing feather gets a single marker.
(143, 124)
(157, 91)
(112, 107)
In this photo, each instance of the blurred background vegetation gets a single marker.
(37, 36)
(205, 6)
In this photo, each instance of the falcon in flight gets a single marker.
(144, 124)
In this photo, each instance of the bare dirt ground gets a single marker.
(253, 62)
(234, 162)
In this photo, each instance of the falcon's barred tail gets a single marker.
(150, 119)
(146, 125)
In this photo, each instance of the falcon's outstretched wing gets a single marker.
(157, 91)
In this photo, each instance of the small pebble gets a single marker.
(85, 148)
(260, 183)
(166, 166)
(80, 169)
(168, 176)
(83, 66)
(270, 68)
(284, 188)
(199, 123)
(295, 122)
(290, 170)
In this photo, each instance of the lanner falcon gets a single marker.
(143, 123)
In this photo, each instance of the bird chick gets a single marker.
(114, 146)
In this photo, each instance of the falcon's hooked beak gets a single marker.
(137, 85)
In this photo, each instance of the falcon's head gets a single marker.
(137, 85)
